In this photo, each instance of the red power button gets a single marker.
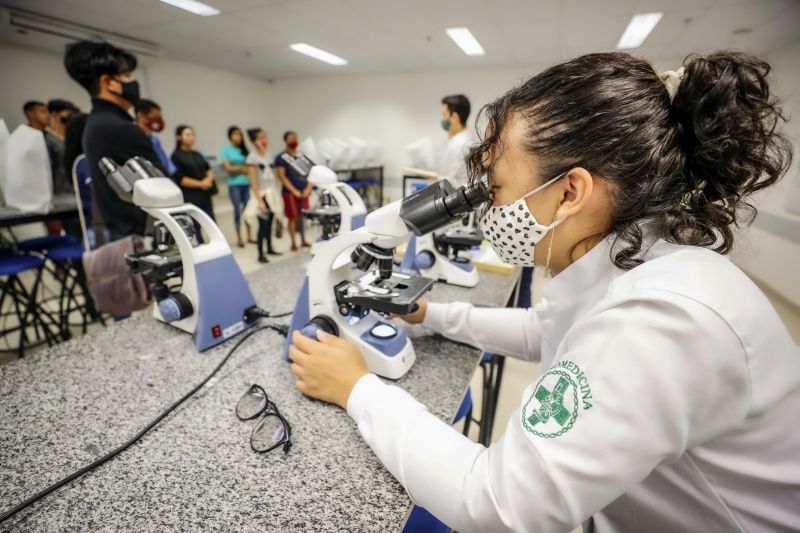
(216, 331)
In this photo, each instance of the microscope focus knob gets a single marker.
(424, 260)
(175, 307)
(319, 322)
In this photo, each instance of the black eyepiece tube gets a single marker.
(143, 168)
(107, 166)
(119, 178)
(437, 205)
(463, 200)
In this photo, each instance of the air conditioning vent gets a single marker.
(18, 21)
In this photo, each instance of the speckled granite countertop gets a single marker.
(66, 406)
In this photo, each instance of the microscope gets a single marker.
(439, 255)
(199, 288)
(351, 285)
(341, 208)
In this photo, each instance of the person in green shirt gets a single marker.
(234, 157)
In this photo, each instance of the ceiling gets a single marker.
(252, 36)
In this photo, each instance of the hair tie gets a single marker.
(672, 79)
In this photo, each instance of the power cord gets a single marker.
(254, 312)
(283, 330)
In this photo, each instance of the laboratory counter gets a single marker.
(66, 406)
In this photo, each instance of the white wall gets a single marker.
(392, 109)
(208, 99)
(771, 258)
(29, 74)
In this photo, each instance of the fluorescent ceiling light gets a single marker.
(466, 41)
(638, 29)
(193, 6)
(316, 53)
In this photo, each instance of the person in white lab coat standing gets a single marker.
(451, 166)
(670, 398)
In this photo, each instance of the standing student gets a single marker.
(262, 182)
(60, 113)
(455, 112)
(234, 158)
(192, 173)
(149, 118)
(670, 398)
(296, 189)
(106, 72)
(36, 114)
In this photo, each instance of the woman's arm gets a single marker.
(194, 183)
(184, 180)
(632, 388)
(252, 175)
(286, 182)
(506, 331)
(234, 169)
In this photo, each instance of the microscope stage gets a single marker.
(396, 295)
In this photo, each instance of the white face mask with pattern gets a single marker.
(513, 231)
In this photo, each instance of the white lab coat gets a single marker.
(28, 183)
(451, 162)
(671, 402)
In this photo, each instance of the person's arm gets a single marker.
(507, 331)
(286, 182)
(181, 176)
(234, 169)
(252, 174)
(230, 167)
(633, 387)
(193, 183)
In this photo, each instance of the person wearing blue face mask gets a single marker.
(106, 72)
(670, 392)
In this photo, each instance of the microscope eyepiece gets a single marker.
(107, 166)
(437, 205)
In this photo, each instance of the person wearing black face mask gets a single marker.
(106, 72)
(60, 113)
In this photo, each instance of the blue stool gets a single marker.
(42, 244)
(70, 257)
(465, 412)
(25, 306)
(421, 521)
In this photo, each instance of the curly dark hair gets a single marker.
(682, 168)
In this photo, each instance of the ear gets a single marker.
(105, 81)
(577, 185)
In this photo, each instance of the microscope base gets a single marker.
(444, 270)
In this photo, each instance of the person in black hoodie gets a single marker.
(106, 72)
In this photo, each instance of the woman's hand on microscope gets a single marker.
(415, 317)
(326, 369)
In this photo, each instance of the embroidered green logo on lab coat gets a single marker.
(556, 400)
